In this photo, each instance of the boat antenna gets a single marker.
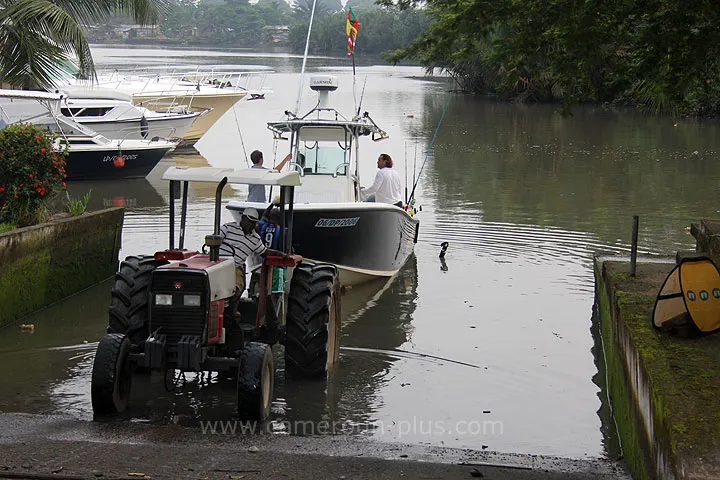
(427, 153)
(307, 46)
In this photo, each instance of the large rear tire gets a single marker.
(111, 375)
(312, 336)
(256, 382)
(130, 298)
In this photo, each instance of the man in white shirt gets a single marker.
(387, 187)
(241, 239)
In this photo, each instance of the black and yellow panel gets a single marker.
(669, 303)
(700, 282)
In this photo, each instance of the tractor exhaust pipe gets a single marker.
(218, 203)
(215, 240)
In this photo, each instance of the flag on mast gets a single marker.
(351, 28)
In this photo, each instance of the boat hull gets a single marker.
(218, 104)
(133, 129)
(364, 240)
(87, 164)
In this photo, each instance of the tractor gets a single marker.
(179, 310)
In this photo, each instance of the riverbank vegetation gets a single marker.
(660, 55)
(274, 23)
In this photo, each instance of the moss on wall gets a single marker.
(668, 429)
(625, 411)
(42, 264)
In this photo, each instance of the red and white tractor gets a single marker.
(177, 310)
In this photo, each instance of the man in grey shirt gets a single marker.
(256, 193)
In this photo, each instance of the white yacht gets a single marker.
(90, 155)
(211, 90)
(113, 115)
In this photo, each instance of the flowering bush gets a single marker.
(30, 173)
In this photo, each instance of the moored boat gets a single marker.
(90, 155)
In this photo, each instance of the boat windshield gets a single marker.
(323, 158)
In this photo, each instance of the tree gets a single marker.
(660, 54)
(39, 39)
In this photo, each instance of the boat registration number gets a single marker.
(337, 222)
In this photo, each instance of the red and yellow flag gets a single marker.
(351, 28)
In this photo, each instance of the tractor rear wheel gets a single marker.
(111, 375)
(312, 336)
(256, 382)
(130, 298)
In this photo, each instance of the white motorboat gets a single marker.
(365, 240)
(209, 90)
(113, 115)
(90, 155)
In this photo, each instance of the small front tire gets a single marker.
(111, 375)
(256, 382)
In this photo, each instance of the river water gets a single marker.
(492, 349)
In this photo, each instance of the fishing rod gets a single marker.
(406, 195)
(427, 153)
(362, 95)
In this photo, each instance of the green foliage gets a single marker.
(77, 206)
(6, 227)
(38, 36)
(234, 23)
(31, 171)
(379, 30)
(662, 54)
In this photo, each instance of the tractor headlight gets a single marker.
(163, 299)
(191, 300)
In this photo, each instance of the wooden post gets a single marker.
(633, 246)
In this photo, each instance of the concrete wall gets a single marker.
(42, 264)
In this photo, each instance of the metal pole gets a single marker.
(633, 247)
(183, 214)
(173, 186)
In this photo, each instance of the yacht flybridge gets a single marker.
(332, 224)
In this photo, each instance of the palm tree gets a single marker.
(38, 38)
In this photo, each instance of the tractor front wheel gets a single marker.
(256, 382)
(312, 336)
(111, 375)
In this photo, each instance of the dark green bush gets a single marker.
(31, 171)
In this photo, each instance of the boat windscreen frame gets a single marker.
(296, 137)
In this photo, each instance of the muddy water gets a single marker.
(491, 348)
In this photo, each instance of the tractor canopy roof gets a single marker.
(248, 176)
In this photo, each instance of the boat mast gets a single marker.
(302, 70)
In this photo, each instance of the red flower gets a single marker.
(2, 189)
(63, 184)
(37, 137)
(42, 151)
(30, 175)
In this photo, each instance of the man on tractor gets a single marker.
(240, 240)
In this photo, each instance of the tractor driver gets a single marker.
(241, 239)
